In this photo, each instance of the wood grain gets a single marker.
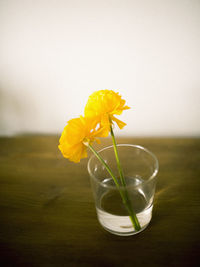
(47, 213)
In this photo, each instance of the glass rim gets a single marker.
(155, 172)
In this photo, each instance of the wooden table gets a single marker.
(47, 213)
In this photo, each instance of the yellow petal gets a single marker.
(120, 124)
(104, 103)
(75, 133)
(78, 152)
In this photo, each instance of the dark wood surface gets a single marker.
(47, 213)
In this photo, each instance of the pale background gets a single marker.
(54, 54)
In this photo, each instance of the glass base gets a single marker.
(112, 213)
(122, 225)
(124, 234)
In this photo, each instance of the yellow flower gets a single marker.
(104, 104)
(76, 135)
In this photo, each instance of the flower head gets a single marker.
(76, 135)
(104, 104)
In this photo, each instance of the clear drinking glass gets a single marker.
(140, 168)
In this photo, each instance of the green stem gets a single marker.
(133, 216)
(124, 197)
(105, 164)
(117, 157)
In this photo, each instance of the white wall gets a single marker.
(55, 53)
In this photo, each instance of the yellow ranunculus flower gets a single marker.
(77, 132)
(104, 104)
